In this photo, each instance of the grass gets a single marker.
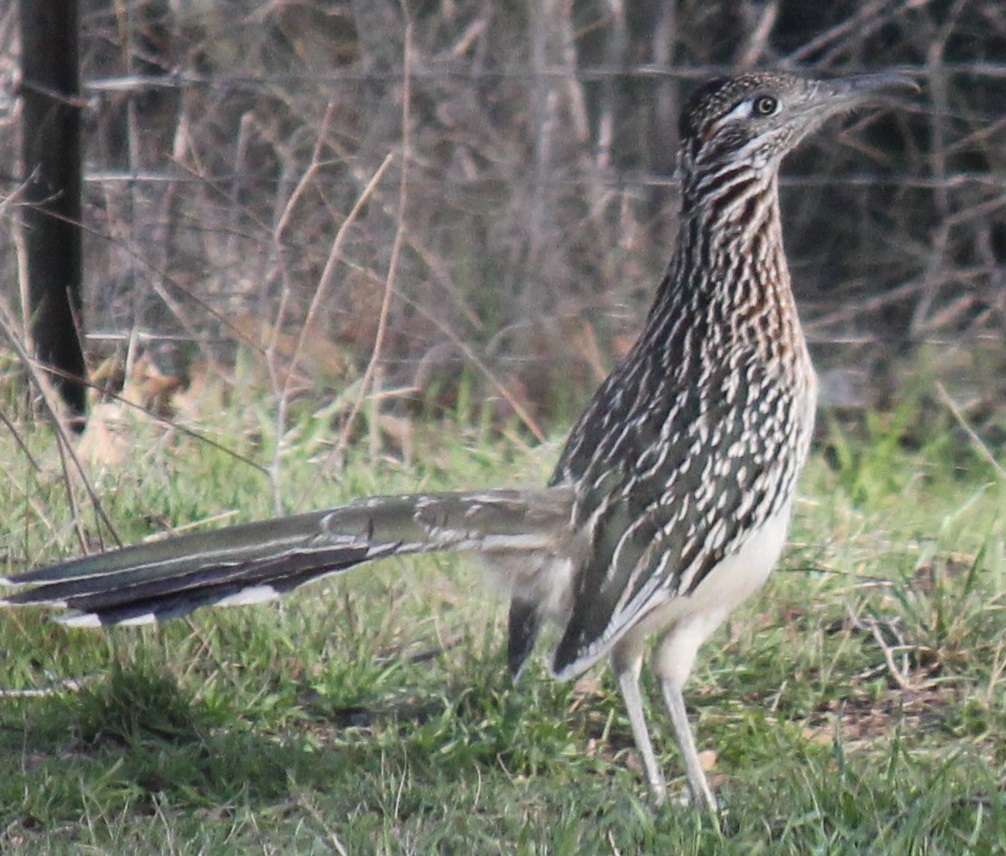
(856, 705)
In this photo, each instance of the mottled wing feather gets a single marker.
(668, 523)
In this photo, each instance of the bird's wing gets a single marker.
(667, 515)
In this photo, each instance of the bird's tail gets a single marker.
(259, 561)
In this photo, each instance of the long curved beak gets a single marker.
(863, 88)
(842, 94)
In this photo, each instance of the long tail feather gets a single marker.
(258, 561)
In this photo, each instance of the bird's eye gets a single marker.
(765, 105)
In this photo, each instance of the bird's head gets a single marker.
(755, 119)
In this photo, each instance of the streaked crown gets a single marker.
(757, 118)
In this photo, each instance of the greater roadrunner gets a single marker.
(671, 500)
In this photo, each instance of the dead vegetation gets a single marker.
(412, 196)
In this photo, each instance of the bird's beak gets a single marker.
(865, 88)
(834, 97)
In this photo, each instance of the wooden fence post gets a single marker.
(51, 156)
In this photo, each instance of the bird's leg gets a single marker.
(626, 665)
(672, 664)
(697, 783)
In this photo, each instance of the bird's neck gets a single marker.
(731, 225)
(729, 267)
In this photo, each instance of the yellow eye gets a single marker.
(765, 105)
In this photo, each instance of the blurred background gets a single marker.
(473, 200)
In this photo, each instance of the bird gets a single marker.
(671, 499)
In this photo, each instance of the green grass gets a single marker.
(856, 705)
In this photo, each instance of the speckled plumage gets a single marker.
(670, 502)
